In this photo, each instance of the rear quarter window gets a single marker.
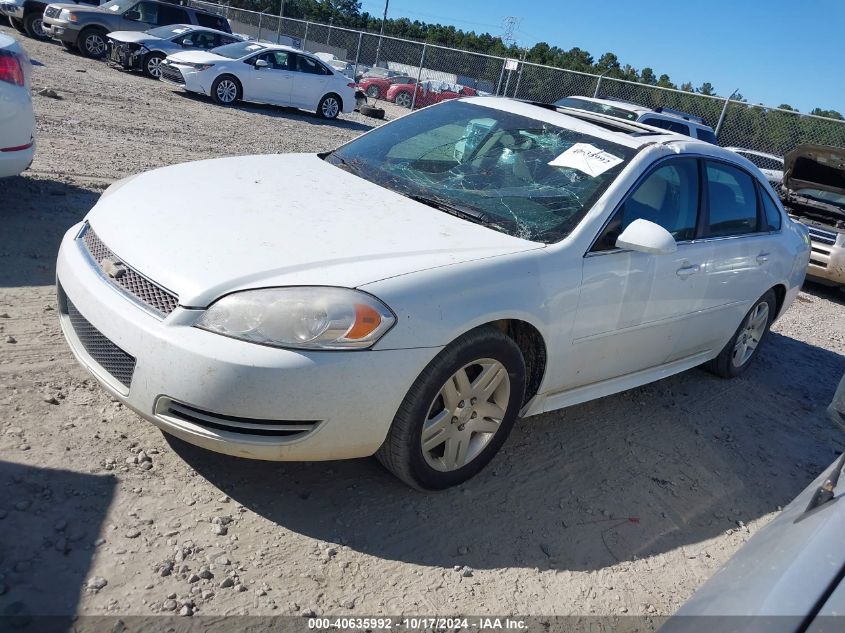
(770, 210)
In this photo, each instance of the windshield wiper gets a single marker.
(465, 213)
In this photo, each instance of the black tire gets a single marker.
(221, 90)
(154, 60)
(370, 111)
(725, 364)
(402, 451)
(33, 25)
(92, 43)
(18, 25)
(329, 107)
(373, 92)
(70, 47)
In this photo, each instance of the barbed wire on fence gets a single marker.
(736, 123)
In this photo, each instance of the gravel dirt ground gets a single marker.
(622, 505)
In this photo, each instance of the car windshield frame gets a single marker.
(512, 172)
(598, 108)
(246, 49)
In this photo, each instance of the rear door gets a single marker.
(310, 81)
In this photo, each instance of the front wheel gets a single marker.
(92, 43)
(737, 355)
(403, 99)
(34, 26)
(458, 412)
(329, 107)
(373, 92)
(225, 90)
(152, 65)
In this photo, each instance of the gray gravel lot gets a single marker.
(622, 505)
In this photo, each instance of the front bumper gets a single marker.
(199, 386)
(125, 55)
(60, 30)
(11, 10)
(187, 77)
(827, 260)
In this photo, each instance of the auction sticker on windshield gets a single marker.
(586, 158)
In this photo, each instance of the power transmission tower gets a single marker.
(509, 26)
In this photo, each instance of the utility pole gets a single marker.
(381, 31)
(282, 9)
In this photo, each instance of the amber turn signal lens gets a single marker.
(367, 320)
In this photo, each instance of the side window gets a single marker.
(309, 65)
(213, 22)
(770, 210)
(672, 126)
(668, 196)
(168, 14)
(147, 11)
(707, 136)
(280, 60)
(205, 40)
(732, 201)
(224, 40)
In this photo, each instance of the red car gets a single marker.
(377, 87)
(428, 93)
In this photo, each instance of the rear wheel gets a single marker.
(92, 43)
(17, 24)
(403, 99)
(737, 355)
(458, 412)
(34, 26)
(152, 65)
(329, 107)
(226, 90)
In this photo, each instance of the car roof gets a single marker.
(192, 27)
(641, 110)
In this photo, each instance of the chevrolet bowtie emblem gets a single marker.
(113, 268)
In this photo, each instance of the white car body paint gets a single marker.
(264, 85)
(17, 121)
(610, 321)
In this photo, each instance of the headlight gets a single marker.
(197, 66)
(67, 16)
(301, 317)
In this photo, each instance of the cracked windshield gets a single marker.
(515, 174)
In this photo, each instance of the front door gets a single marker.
(271, 83)
(632, 304)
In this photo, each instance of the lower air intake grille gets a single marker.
(170, 73)
(108, 355)
(288, 429)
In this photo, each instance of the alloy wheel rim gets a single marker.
(154, 67)
(226, 91)
(752, 332)
(465, 415)
(372, 91)
(38, 28)
(330, 108)
(403, 100)
(95, 44)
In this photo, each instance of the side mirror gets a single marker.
(261, 63)
(647, 237)
(132, 15)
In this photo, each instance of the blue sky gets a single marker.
(773, 51)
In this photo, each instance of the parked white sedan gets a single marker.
(414, 291)
(17, 122)
(263, 73)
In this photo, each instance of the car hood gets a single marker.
(81, 8)
(132, 37)
(207, 228)
(197, 57)
(816, 167)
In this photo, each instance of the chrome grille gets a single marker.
(169, 73)
(109, 356)
(820, 235)
(52, 12)
(133, 283)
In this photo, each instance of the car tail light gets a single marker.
(10, 69)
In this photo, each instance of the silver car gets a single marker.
(145, 50)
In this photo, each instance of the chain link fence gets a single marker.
(437, 69)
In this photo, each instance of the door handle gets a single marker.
(686, 270)
(762, 258)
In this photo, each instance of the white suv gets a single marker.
(664, 118)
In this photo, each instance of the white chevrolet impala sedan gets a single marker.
(415, 291)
